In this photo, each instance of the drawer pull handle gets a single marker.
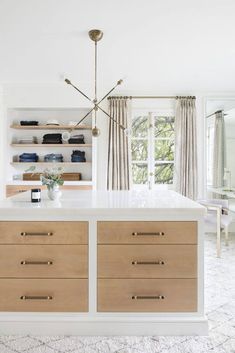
(36, 297)
(25, 234)
(154, 297)
(148, 263)
(36, 262)
(136, 234)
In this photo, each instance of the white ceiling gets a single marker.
(157, 46)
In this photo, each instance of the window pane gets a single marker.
(139, 173)
(163, 126)
(163, 173)
(139, 150)
(140, 126)
(164, 150)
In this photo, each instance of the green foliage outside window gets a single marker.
(159, 139)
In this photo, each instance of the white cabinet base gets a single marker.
(170, 326)
(104, 206)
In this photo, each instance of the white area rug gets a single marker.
(220, 309)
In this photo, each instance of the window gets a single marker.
(152, 148)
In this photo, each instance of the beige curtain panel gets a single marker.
(118, 174)
(186, 172)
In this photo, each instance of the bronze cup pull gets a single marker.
(31, 234)
(156, 234)
(36, 297)
(151, 297)
(25, 262)
(148, 263)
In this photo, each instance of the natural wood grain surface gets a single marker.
(51, 127)
(115, 295)
(44, 261)
(62, 232)
(57, 145)
(69, 295)
(12, 190)
(132, 261)
(121, 232)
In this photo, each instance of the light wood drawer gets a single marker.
(42, 261)
(147, 295)
(147, 232)
(43, 232)
(147, 261)
(44, 295)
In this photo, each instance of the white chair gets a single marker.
(217, 219)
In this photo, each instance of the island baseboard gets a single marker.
(106, 326)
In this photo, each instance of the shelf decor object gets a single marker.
(53, 179)
(95, 35)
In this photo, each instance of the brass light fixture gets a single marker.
(95, 35)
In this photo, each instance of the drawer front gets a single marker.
(42, 261)
(44, 295)
(147, 232)
(147, 295)
(147, 261)
(44, 232)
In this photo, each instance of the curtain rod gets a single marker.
(217, 111)
(151, 97)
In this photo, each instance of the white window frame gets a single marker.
(151, 147)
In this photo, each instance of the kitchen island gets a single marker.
(102, 263)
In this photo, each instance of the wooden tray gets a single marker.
(65, 176)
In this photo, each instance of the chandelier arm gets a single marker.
(77, 89)
(110, 117)
(117, 84)
(82, 119)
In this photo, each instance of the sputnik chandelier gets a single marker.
(95, 35)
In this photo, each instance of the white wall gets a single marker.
(2, 132)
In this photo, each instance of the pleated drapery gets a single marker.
(219, 152)
(118, 174)
(186, 172)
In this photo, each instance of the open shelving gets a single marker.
(17, 132)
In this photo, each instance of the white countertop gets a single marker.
(90, 203)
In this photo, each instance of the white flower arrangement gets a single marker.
(50, 177)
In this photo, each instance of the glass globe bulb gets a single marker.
(127, 132)
(95, 132)
(66, 136)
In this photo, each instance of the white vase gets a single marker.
(54, 193)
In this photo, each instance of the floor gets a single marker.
(220, 309)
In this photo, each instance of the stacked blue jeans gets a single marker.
(53, 157)
(28, 157)
(78, 156)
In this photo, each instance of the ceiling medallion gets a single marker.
(95, 35)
